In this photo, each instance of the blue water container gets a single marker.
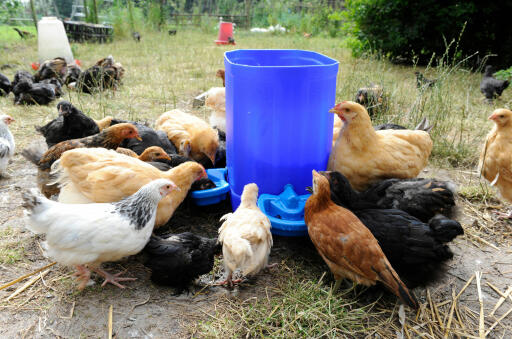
(278, 128)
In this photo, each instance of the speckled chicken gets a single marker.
(91, 234)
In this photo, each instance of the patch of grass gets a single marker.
(11, 250)
(478, 193)
(303, 306)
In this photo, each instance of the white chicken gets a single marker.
(6, 143)
(90, 234)
(245, 237)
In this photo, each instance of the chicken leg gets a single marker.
(229, 281)
(83, 275)
(111, 278)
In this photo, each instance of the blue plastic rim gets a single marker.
(285, 212)
(213, 195)
(278, 128)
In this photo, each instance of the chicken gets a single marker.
(220, 157)
(149, 136)
(421, 198)
(153, 153)
(136, 36)
(90, 234)
(202, 184)
(372, 98)
(178, 259)
(55, 68)
(109, 138)
(56, 85)
(70, 124)
(366, 156)
(23, 34)
(496, 157)
(417, 250)
(216, 101)
(7, 145)
(422, 82)
(347, 246)
(104, 123)
(5, 85)
(72, 74)
(490, 86)
(100, 175)
(245, 237)
(221, 74)
(184, 129)
(28, 93)
(104, 74)
(22, 75)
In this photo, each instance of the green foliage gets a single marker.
(10, 9)
(408, 29)
(504, 74)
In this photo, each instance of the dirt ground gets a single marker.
(52, 307)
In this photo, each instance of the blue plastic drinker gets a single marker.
(285, 212)
(213, 195)
(278, 128)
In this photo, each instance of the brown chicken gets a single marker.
(496, 156)
(100, 175)
(347, 246)
(104, 123)
(221, 74)
(153, 153)
(183, 128)
(54, 68)
(365, 156)
(109, 138)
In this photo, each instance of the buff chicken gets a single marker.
(365, 156)
(496, 156)
(188, 131)
(98, 175)
(347, 246)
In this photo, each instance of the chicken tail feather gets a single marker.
(31, 200)
(390, 279)
(424, 125)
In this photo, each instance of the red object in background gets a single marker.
(78, 62)
(225, 32)
(35, 66)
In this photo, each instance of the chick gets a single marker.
(490, 86)
(245, 237)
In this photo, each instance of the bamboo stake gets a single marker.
(498, 321)
(33, 11)
(481, 326)
(26, 276)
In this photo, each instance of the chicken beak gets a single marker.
(492, 117)
(203, 175)
(212, 158)
(309, 189)
(333, 110)
(165, 156)
(138, 137)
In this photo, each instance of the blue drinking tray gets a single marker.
(213, 195)
(285, 211)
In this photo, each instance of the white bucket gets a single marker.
(52, 40)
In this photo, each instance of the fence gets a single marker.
(240, 20)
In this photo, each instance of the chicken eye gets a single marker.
(157, 154)
(502, 116)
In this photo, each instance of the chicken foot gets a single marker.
(229, 281)
(83, 276)
(112, 278)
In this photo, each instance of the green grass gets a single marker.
(11, 250)
(9, 35)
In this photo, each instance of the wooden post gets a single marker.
(86, 9)
(95, 11)
(248, 13)
(162, 15)
(33, 10)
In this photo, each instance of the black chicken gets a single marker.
(149, 136)
(57, 85)
(490, 86)
(176, 260)
(415, 249)
(22, 75)
(136, 36)
(70, 124)
(5, 85)
(422, 82)
(28, 93)
(105, 74)
(371, 97)
(220, 157)
(421, 198)
(387, 126)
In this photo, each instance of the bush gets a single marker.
(415, 30)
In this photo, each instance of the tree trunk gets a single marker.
(33, 10)
(130, 12)
(248, 13)
(162, 15)
(95, 11)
